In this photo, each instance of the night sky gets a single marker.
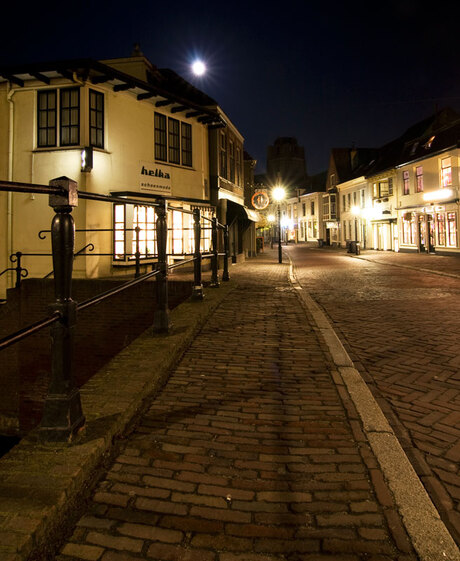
(332, 74)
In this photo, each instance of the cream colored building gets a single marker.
(354, 203)
(429, 203)
(381, 214)
(146, 132)
(310, 217)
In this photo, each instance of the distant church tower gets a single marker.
(286, 164)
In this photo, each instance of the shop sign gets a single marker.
(154, 179)
(332, 225)
(260, 200)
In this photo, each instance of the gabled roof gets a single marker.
(428, 137)
(350, 163)
(166, 86)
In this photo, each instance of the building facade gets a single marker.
(120, 127)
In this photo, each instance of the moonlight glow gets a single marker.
(198, 68)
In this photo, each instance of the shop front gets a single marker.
(430, 229)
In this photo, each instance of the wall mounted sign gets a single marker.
(260, 200)
(154, 179)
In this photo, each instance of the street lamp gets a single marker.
(278, 195)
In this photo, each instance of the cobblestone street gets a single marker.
(250, 453)
(400, 325)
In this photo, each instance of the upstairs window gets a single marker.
(186, 144)
(173, 141)
(238, 166)
(419, 179)
(47, 118)
(223, 156)
(406, 186)
(446, 172)
(96, 119)
(232, 161)
(58, 117)
(160, 138)
(70, 117)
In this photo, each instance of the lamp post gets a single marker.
(271, 219)
(278, 195)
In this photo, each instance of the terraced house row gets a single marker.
(119, 127)
(403, 196)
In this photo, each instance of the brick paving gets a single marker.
(250, 452)
(408, 352)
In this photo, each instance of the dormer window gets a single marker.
(429, 142)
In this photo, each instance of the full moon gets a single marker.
(198, 68)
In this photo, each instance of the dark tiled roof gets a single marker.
(176, 84)
(352, 162)
(430, 136)
(158, 83)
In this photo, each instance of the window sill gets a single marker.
(179, 166)
(78, 147)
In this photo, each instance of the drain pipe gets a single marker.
(9, 211)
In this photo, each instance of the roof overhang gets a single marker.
(95, 72)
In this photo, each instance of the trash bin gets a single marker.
(354, 247)
(320, 242)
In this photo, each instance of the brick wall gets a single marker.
(101, 332)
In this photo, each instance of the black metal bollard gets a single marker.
(62, 415)
(161, 323)
(214, 259)
(225, 275)
(197, 293)
(137, 274)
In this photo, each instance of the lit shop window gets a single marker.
(441, 228)
(451, 229)
(145, 219)
(409, 229)
(126, 219)
(177, 232)
(205, 238)
(119, 247)
(446, 172)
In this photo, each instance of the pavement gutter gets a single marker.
(430, 537)
(42, 486)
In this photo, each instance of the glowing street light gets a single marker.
(278, 194)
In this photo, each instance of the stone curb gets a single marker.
(42, 485)
(430, 537)
(441, 273)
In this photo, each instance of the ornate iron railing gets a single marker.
(63, 415)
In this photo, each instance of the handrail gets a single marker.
(116, 290)
(29, 330)
(62, 419)
(79, 252)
